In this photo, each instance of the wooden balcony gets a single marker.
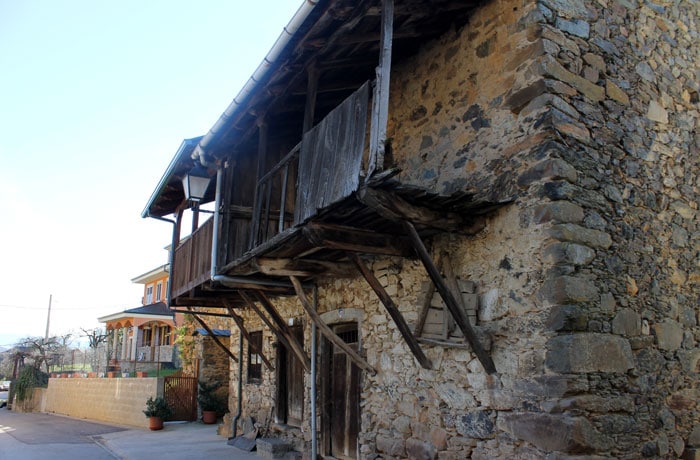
(192, 260)
(321, 170)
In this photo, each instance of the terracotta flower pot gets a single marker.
(208, 417)
(155, 423)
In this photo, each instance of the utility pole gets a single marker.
(48, 319)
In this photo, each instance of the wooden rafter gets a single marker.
(452, 304)
(252, 343)
(300, 267)
(353, 239)
(327, 331)
(282, 333)
(393, 207)
(393, 311)
(211, 334)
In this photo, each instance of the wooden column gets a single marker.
(211, 334)
(311, 91)
(393, 311)
(450, 300)
(327, 331)
(258, 195)
(239, 322)
(380, 101)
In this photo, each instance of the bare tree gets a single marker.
(96, 337)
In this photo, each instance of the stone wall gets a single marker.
(624, 287)
(115, 400)
(583, 115)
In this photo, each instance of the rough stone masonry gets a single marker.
(584, 114)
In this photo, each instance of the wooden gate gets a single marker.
(181, 395)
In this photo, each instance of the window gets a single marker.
(436, 323)
(149, 294)
(147, 337)
(159, 291)
(164, 335)
(254, 359)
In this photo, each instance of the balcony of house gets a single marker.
(257, 213)
(304, 164)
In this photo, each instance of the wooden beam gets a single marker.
(300, 267)
(450, 300)
(244, 331)
(393, 207)
(353, 239)
(281, 335)
(327, 331)
(211, 334)
(312, 75)
(393, 311)
(380, 101)
(294, 344)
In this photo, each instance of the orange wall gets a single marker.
(154, 284)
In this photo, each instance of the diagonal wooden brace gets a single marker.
(211, 334)
(393, 311)
(282, 333)
(327, 331)
(239, 322)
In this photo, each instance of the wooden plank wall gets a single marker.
(331, 156)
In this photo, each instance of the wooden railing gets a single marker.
(323, 169)
(192, 264)
(274, 212)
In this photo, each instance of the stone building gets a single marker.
(490, 250)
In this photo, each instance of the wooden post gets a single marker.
(312, 74)
(239, 322)
(393, 311)
(450, 300)
(211, 334)
(380, 101)
(257, 198)
(327, 331)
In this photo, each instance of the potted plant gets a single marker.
(211, 403)
(157, 410)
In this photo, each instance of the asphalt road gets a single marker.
(38, 436)
(42, 436)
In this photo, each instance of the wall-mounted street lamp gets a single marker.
(195, 183)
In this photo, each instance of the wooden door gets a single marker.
(341, 396)
(290, 397)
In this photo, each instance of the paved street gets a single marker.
(44, 436)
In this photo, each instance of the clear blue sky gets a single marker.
(95, 98)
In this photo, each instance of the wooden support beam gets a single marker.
(380, 101)
(393, 207)
(239, 322)
(327, 331)
(352, 239)
(296, 347)
(211, 334)
(450, 300)
(300, 267)
(281, 335)
(393, 311)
